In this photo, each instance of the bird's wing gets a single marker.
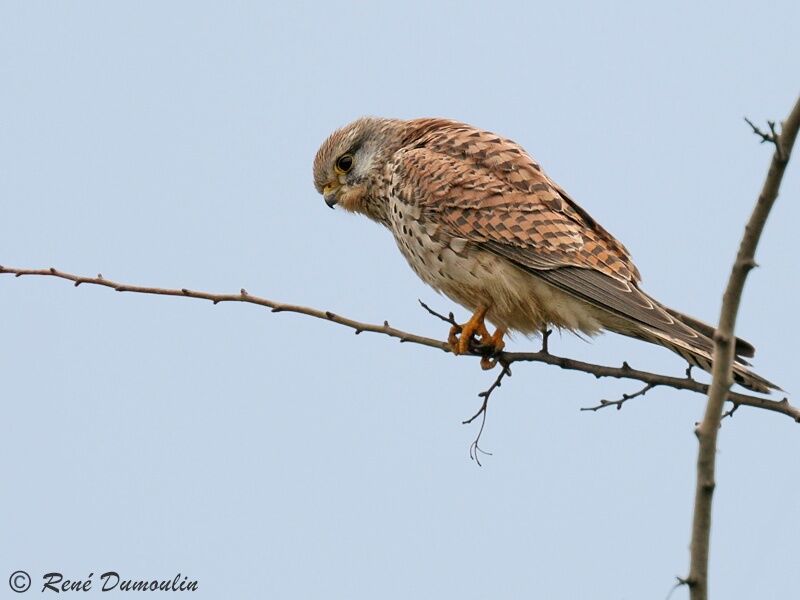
(488, 191)
(489, 186)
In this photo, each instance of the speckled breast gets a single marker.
(442, 261)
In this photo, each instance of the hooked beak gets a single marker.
(329, 193)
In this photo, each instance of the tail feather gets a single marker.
(742, 347)
(700, 355)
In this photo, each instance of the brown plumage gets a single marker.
(478, 219)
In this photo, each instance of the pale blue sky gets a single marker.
(276, 456)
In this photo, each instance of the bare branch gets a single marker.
(242, 296)
(724, 351)
(621, 401)
(543, 356)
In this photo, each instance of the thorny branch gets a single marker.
(723, 358)
(543, 356)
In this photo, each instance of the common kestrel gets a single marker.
(477, 219)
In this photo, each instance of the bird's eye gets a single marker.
(344, 163)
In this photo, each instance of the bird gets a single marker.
(479, 221)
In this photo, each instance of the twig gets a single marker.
(448, 319)
(772, 137)
(679, 583)
(724, 352)
(624, 372)
(475, 449)
(621, 401)
(729, 413)
(546, 333)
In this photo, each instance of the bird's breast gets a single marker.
(446, 262)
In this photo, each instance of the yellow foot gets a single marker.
(461, 335)
(494, 344)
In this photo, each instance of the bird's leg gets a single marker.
(495, 345)
(459, 344)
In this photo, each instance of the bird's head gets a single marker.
(351, 159)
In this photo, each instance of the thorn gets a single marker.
(243, 292)
(386, 324)
(625, 366)
(77, 283)
(329, 314)
(184, 290)
(215, 302)
(52, 270)
(359, 331)
(99, 275)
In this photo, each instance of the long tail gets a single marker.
(692, 340)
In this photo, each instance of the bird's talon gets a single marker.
(492, 346)
(461, 339)
(460, 344)
(452, 338)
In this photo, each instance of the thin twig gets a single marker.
(724, 352)
(621, 401)
(772, 137)
(475, 450)
(729, 413)
(679, 583)
(448, 319)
